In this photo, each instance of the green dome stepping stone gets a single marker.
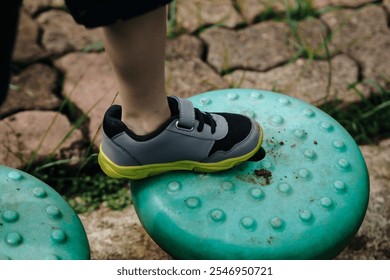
(36, 223)
(305, 200)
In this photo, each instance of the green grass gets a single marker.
(303, 10)
(97, 46)
(85, 188)
(368, 120)
(300, 10)
(173, 28)
(297, 11)
(79, 179)
(82, 184)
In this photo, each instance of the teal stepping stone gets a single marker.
(36, 223)
(305, 200)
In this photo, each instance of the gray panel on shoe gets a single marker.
(173, 144)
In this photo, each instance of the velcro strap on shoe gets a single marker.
(186, 113)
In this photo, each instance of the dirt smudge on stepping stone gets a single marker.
(267, 175)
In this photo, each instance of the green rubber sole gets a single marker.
(140, 172)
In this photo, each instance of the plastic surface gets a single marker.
(305, 200)
(36, 223)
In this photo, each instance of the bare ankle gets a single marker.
(145, 123)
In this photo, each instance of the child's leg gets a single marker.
(136, 49)
(150, 133)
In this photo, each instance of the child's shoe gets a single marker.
(189, 140)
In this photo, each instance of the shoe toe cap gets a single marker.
(242, 138)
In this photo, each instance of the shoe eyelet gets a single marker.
(184, 128)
